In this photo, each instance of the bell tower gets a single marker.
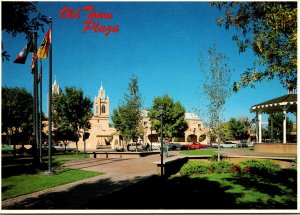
(101, 103)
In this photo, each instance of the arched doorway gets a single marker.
(192, 138)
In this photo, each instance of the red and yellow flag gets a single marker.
(43, 50)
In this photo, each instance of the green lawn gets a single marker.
(27, 183)
(210, 191)
(69, 156)
(200, 152)
(257, 192)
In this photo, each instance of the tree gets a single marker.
(20, 18)
(127, 116)
(277, 119)
(216, 79)
(247, 126)
(225, 132)
(270, 29)
(66, 134)
(72, 112)
(237, 128)
(17, 114)
(174, 124)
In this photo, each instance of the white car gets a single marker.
(155, 146)
(228, 145)
(214, 145)
(132, 147)
(60, 147)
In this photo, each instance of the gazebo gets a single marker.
(285, 104)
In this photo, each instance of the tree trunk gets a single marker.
(76, 147)
(219, 152)
(219, 142)
(136, 148)
(65, 148)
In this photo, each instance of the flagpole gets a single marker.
(36, 72)
(33, 105)
(41, 113)
(35, 100)
(50, 102)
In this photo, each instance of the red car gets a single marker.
(195, 146)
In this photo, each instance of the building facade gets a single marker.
(192, 134)
(103, 136)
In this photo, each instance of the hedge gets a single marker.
(243, 167)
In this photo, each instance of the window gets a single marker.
(103, 109)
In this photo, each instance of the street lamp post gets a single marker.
(150, 139)
(161, 111)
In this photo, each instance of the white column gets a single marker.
(272, 132)
(284, 126)
(259, 129)
(256, 128)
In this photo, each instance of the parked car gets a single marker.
(228, 144)
(242, 144)
(174, 146)
(60, 147)
(6, 149)
(250, 144)
(132, 147)
(214, 145)
(156, 146)
(120, 149)
(44, 150)
(195, 146)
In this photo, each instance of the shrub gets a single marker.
(260, 166)
(203, 167)
(221, 166)
(195, 167)
(237, 169)
(214, 157)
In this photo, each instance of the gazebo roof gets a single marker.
(287, 102)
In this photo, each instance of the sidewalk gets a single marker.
(119, 173)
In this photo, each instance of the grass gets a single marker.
(200, 152)
(258, 192)
(28, 183)
(28, 180)
(210, 191)
(69, 156)
(61, 159)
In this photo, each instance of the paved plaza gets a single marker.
(118, 173)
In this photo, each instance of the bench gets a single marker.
(113, 154)
(171, 165)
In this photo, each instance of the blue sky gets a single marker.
(158, 42)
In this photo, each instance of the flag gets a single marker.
(21, 58)
(33, 60)
(43, 50)
(40, 75)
